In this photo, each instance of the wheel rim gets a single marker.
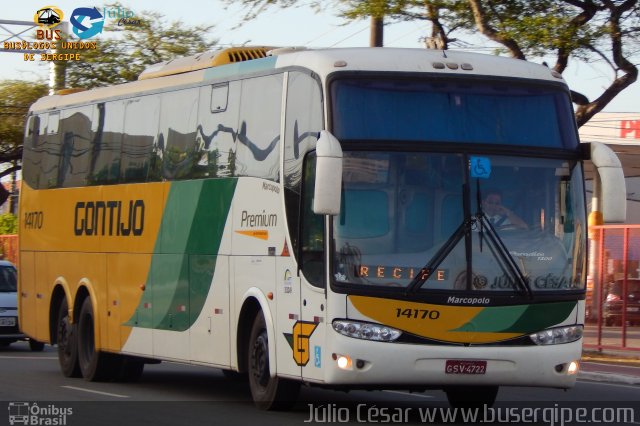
(64, 337)
(260, 360)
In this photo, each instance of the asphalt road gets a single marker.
(176, 394)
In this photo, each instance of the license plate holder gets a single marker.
(7, 321)
(463, 366)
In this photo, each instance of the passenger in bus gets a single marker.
(500, 216)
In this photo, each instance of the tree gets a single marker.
(583, 30)
(132, 48)
(15, 99)
(8, 224)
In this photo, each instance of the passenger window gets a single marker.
(219, 97)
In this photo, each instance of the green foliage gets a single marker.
(123, 52)
(15, 99)
(8, 224)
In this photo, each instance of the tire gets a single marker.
(67, 341)
(269, 393)
(471, 396)
(96, 366)
(35, 346)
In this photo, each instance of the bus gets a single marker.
(314, 217)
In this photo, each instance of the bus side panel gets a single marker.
(127, 273)
(27, 296)
(210, 329)
(169, 281)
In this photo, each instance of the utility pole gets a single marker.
(376, 36)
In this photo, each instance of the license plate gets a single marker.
(7, 321)
(458, 366)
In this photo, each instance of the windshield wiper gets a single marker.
(501, 252)
(440, 256)
(495, 244)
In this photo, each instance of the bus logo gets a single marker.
(299, 341)
(48, 16)
(18, 413)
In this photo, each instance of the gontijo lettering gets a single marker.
(111, 218)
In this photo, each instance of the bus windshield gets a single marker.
(440, 110)
(400, 209)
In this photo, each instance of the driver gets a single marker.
(501, 217)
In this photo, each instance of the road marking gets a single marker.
(28, 357)
(611, 365)
(409, 394)
(95, 391)
(593, 382)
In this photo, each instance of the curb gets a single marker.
(609, 378)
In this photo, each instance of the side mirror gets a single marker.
(326, 196)
(613, 192)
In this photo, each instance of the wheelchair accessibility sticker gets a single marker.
(480, 167)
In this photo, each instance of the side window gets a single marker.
(259, 127)
(303, 122)
(140, 131)
(218, 130)
(75, 155)
(49, 146)
(32, 156)
(312, 229)
(219, 97)
(181, 146)
(108, 120)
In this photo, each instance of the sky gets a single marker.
(295, 26)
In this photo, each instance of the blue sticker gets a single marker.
(317, 359)
(480, 167)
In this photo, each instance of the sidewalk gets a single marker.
(611, 368)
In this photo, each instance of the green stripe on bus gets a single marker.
(183, 265)
(519, 319)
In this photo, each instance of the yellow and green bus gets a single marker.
(315, 216)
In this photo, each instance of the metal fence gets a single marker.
(9, 248)
(613, 288)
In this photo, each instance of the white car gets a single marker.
(9, 329)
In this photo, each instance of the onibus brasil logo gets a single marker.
(30, 413)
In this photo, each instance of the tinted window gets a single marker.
(218, 131)
(452, 111)
(8, 282)
(140, 131)
(181, 145)
(105, 160)
(303, 123)
(75, 154)
(259, 127)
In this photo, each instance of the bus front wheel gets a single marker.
(269, 393)
(95, 365)
(67, 340)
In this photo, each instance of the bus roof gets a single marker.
(321, 61)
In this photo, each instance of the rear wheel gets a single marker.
(471, 396)
(95, 365)
(67, 340)
(269, 393)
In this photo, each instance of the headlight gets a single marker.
(366, 331)
(555, 336)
